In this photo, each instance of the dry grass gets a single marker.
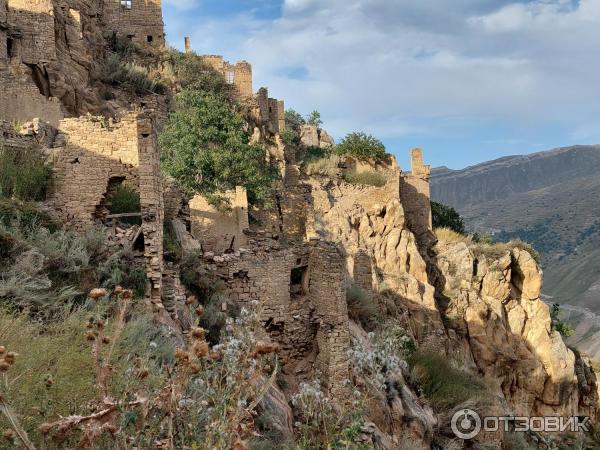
(499, 249)
(325, 166)
(368, 178)
(449, 235)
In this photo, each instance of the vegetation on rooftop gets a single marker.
(361, 146)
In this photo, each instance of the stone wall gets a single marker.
(416, 197)
(35, 21)
(141, 20)
(220, 230)
(272, 111)
(89, 156)
(301, 290)
(239, 74)
(362, 271)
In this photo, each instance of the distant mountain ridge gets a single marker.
(551, 199)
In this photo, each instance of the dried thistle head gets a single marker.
(2, 349)
(200, 311)
(215, 355)
(100, 324)
(4, 366)
(191, 299)
(194, 368)
(182, 355)
(265, 348)
(97, 293)
(45, 428)
(127, 293)
(200, 349)
(198, 332)
(106, 340)
(90, 336)
(240, 445)
(9, 434)
(143, 374)
(10, 357)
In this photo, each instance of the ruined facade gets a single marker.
(220, 230)
(139, 20)
(238, 74)
(416, 196)
(271, 111)
(91, 157)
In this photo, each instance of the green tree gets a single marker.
(205, 147)
(361, 145)
(314, 118)
(294, 120)
(565, 329)
(447, 217)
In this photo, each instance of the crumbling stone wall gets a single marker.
(220, 230)
(301, 290)
(89, 154)
(141, 20)
(416, 197)
(238, 74)
(35, 21)
(272, 111)
(362, 271)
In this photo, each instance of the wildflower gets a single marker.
(97, 293)
(153, 345)
(194, 368)
(49, 381)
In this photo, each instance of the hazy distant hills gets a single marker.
(551, 199)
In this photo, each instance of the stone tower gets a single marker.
(416, 197)
(238, 74)
(140, 20)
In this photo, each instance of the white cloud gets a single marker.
(395, 67)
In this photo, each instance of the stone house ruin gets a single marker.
(238, 74)
(139, 20)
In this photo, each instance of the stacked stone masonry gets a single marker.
(301, 289)
(416, 197)
(238, 74)
(220, 230)
(140, 20)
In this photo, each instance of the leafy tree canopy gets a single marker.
(447, 217)
(314, 118)
(205, 147)
(294, 120)
(361, 145)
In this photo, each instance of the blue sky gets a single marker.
(466, 80)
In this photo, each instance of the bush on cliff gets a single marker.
(129, 76)
(361, 146)
(206, 149)
(447, 217)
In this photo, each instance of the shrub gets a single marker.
(443, 385)
(361, 145)
(290, 137)
(294, 120)
(129, 76)
(206, 149)
(314, 118)
(123, 269)
(126, 200)
(447, 217)
(527, 247)
(193, 74)
(26, 214)
(362, 308)
(24, 174)
(367, 178)
(329, 166)
(565, 329)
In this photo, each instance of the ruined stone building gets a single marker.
(140, 20)
(238, 74)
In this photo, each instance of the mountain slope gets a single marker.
(551, 199)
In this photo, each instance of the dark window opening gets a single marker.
(130, 37)
(299, 281)
(10, 47)
(149, 38)
(138, 244)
